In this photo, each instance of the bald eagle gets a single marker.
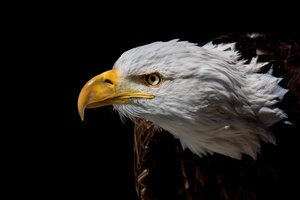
(216, 120)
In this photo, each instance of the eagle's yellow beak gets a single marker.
(103, 90)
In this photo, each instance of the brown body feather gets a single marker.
(165, 171)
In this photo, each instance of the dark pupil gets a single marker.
(152, 78)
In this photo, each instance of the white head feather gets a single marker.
(209, 99)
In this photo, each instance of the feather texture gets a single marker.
(165, 170)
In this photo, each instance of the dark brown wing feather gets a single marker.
(165, 171)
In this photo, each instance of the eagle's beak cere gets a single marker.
(102, 90)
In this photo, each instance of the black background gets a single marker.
(57, 48)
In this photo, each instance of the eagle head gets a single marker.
(207, 97)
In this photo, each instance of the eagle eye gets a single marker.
(153, 79)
